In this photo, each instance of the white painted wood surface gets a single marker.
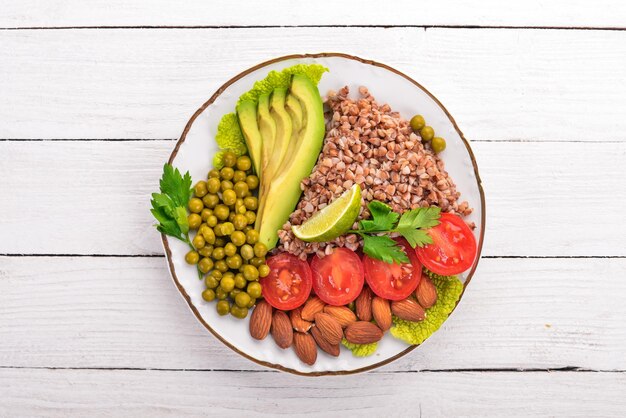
(104, 332)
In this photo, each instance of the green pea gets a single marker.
(264, 270)
(214, 173)
(211, 200)
(226, 185)
(205, 265)
(231, 217)
(216, 273)
(239, 176)
(227, 173)
(218, 253)
(227, 283)
(234, 262)
(209, 235)
(246, 251)
(438, 144)
(240, 281)
(223, 307)
(241, 210)
(194, 220)
(252, 236)
(198, 242)
(211, 282)
(220, 242)
(241, 189)
(257, 261)
(427, 133)
(221, 266)
(200, 189)
(251, 217)
(230, 249)
(211, 221)
(229, 197)
(246, 230)
(206, 250)
(244, 163)
(251, 303)
(192, 257)
(195, 205)
(229, 159)
(250, 272)
(254, 290)
(239, 312)
(252, 181)
(221, 212)
(417, 122)
(221, 293)
(240, 222)
(251, 203)
(206, 212)
(242, 299)
(238, 238)
(208, 295)
(228, 228)
(233, 293)
(260, 249)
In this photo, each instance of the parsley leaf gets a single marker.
(170, 206)
(383, 219)
(383, 248)
(420, 218)
(175, 186)
(416, 237)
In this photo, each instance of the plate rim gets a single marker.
(182, 138)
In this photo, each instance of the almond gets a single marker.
(381, 313)
(324, 345)
(342, 314)
(311, 307)
(297, 322)
(329, 327)
(363, 332)
(408, 309)
(364, 305)
(261, 320)
(304, 346)
(426, 292)
(281, 329)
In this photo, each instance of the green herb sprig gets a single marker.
(170, 206)
(411, 225)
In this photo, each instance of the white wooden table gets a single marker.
(93, 96)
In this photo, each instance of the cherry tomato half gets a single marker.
(453, 249)
(393, 281)
(289, 283)
(338, 277)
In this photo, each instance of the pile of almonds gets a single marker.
(318, 324)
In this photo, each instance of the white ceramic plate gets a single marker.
(194, 152)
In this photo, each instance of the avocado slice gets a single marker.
(247, 115)
(284, 128)
(267, 127)
(293, 107)
(283, 192)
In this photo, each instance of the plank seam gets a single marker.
(542, 141)
(567, 257)
(425, 27)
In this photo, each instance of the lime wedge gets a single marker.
(332, 221)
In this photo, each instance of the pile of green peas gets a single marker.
(418, 124)
(226, 247)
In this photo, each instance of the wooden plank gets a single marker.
(125, 312)
(85, 197)
(560, 13)
(541, 85)
(173, 394)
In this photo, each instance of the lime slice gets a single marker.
(332, 221)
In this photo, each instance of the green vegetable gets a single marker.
(449, 289)
(360, 350)
(170, 206)
(411, 225)
(229, 136)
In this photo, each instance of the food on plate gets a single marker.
(331, 228)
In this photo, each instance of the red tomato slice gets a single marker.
(453, 249)
(338, 277)
(289, 283)
(393, 281)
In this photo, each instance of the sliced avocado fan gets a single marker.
(247, 115)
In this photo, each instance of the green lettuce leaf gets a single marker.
(229, 136)
(360, 350)
(449, 289)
